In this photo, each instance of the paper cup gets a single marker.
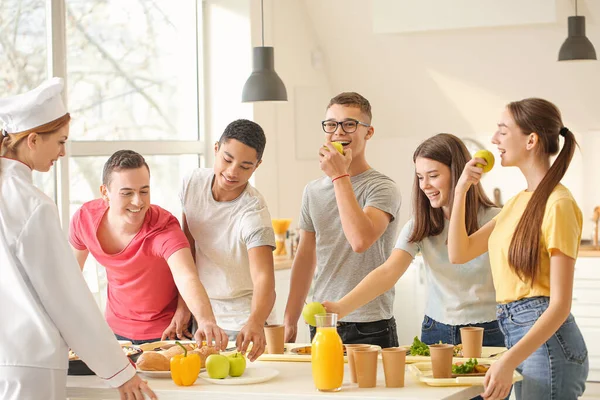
(350, 353)
(365, 364)
(441, 360)
(394, 361)
(472, 341)
(274, 334)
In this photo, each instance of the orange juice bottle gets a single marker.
(327, 354)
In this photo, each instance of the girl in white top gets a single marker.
(458, 295)
(46, 304)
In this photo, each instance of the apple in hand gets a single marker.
(217, 366)
(237, 364)
(309, 311)
(338, 146)
(488, 157)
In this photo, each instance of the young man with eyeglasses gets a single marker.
(348, 227)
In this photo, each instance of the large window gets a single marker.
(23, 58)
(133, 82)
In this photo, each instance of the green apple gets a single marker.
(309, 311)
(338, 146)
(237, 364)
(217, 366)
(488, 157)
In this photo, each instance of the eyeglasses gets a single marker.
(348, 126)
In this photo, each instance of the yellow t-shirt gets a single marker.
(561, 230)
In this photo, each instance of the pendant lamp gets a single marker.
(263, 84)
(577, 46)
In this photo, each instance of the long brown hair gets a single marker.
(542, 117)
(452, 152)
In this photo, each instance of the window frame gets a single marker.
(57, 66)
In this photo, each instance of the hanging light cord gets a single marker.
(575, 7)
(262, 21)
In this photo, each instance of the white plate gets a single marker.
(250, 376)
(158, 374)
(155, 374)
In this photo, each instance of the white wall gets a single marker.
(419, 84)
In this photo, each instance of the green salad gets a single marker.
(419, 348)
(465, 368)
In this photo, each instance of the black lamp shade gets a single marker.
(577, 46)
(264, 84)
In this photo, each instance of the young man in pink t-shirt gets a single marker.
(147, 258)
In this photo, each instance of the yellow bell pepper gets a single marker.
(185, 368)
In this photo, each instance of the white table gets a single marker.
(293, 382)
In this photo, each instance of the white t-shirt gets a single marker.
(457, 294)
(224, 232)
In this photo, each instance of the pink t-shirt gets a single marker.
(142, 296)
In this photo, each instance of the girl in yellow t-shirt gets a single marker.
(532, 244)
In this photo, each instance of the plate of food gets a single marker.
(78, 367)
(464, 374)
(156, 364)
(307, 350)
(471, 367)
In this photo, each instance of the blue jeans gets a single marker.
(558, 369)
(433, 331)
(382, 333)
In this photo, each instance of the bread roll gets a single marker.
(204, 352)
(153, 361)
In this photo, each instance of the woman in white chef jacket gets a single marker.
(46, 305)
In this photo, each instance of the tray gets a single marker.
(422, 372)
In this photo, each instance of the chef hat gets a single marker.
(32, 109)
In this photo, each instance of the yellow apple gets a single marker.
(338, 147)
(488, 157)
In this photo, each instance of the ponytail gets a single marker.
(524, 251)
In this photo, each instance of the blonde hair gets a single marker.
(10, 142)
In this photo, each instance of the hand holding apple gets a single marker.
(488, 157)
(334, 163)
(309, 311)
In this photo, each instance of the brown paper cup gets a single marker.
(274, 335)
(350, 353)
(394, 361)
(472, 341)
(441, 360)
(365, 364)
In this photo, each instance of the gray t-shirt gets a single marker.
(339, 268)
(457, 294)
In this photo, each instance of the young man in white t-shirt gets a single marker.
(229, 228)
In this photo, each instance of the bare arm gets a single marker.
(462, 247)
(562, 269)
(193, 293)
(262, 272)
(81, 256)
(303, 269)
(188, 235)
(379, 281)
(362, 227)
